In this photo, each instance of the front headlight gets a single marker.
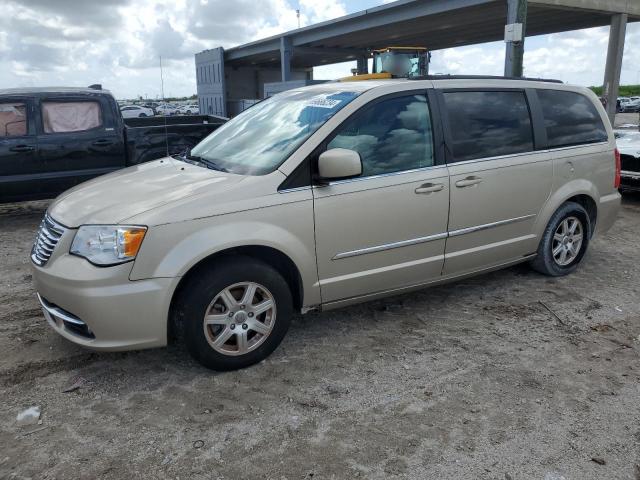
(108, 244)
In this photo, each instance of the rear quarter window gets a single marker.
(570, 118)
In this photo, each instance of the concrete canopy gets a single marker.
(435, 24)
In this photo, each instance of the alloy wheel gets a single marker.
(240, 318)
(567, 240)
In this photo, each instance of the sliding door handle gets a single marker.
(429, 188)
(468, 182)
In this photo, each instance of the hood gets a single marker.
(628, 142)
(112, 198)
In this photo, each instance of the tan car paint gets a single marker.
(193, 213)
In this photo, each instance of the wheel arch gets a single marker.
(269, 255)
(580, 191)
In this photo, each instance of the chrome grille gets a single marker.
(48, 235)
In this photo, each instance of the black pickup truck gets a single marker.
(54, 138)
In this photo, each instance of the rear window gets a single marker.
(488, 124)
(63, 117)
(570, 119)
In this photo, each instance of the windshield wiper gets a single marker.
(195, 160)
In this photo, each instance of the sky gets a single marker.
(117, 43)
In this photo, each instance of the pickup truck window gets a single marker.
(261, 138)
(65, 117)
(13, 120)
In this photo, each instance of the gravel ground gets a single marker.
(510, 375)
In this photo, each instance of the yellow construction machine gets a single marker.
(396, 62)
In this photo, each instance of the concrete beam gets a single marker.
(286, 52)
(346, 52)
(614, 63)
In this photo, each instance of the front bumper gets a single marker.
(100, 308)
(630, 181)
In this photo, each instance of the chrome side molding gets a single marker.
(429, 238)
(477, 228)
(389, 246)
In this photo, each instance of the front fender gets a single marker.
(172, 250)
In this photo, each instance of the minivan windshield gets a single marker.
(261, 138)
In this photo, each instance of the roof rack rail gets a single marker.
(481, 77)
(95, 86)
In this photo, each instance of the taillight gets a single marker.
(616, 180)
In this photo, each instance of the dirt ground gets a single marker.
(510, 375)
(627, 120)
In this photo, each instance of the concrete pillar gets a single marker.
(363, 66)
(516, 14)
(614, 63)
(286, 51)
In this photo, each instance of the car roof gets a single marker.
(442, 82)
(48, 90)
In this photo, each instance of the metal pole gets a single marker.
(614, 64)
(516, 13)
(362, 64)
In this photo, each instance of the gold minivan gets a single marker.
(325, 196)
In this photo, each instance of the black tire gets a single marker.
(545, 262)
(203, 287)
(142, 115)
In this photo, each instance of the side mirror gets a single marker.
(339, 163)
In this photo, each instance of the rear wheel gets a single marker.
(564, 241)
(235, 314)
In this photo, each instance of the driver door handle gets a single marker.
(429, 188)
(22, 148)
(468, 182)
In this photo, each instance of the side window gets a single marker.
(64, 117)
(488, 124)
(570, 118)
(391, 135)
(13, 119)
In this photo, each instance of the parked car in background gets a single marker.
(166, 109)
(136, 111)
(326, 196)
(54, 138)
(151, 105)
(632, 105)
(189, 110)
(628, 142)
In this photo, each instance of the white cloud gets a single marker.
(118, 42)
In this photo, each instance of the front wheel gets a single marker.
(142, 115)
(234, 314)
(564, 241)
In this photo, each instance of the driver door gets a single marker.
(385, 229)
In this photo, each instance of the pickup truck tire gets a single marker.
(564, 241)
(234, 313)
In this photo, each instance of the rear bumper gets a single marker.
(100, 308)
(607, 211)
